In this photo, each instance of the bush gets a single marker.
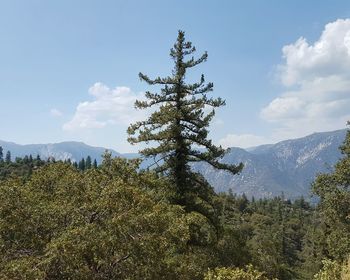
(99, 224)
(249, 273)
(333, 270)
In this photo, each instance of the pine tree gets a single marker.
(1, 155)
(94, 164)
(8, 157)
(88, 163)
(26, 160)
(82, 164)
(334, 192)
(180, 124)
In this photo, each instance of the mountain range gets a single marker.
(286, 167)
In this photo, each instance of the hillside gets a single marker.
(288, 166)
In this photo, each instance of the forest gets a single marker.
(81, 220)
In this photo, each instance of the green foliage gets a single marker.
(313, 247)
(8, 157)
(333, 190)
(178, 124)
(268, 233)
(100, 224)
(249, 273)
(331, 271)
(61, 222)
(21, 167)
(345, 273)
(88, 162)
(81, 164)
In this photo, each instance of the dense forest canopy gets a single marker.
(116, 222)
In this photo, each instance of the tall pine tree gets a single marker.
(94, 165)
(1, 154)
(179, 125)
(334, 192)
(82, 164)
(8, 157)
(88, 163)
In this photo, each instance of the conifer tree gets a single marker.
(334, 192)
(94, 165)
(82, 164)
(26, 159)
(179, 125)
(1, 155)
(8, 157)
(88, 162)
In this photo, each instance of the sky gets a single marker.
(69, 69)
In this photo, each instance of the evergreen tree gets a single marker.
(1, 155)
(334, 192)
(179, 124)
(88, 163)
(94, 164)
(38, 161)
(82, 164)
(26, 160)
(8, 157)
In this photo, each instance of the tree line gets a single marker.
(24, 166)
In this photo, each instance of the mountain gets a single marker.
(287, 167)
(60, 151)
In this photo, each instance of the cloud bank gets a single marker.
(110, 106)
(319, 74)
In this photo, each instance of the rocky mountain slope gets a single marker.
(287, 167)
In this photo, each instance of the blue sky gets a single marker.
(69, 69)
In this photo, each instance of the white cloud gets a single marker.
(109, 107)
(56, 113)
(242, 140)
(328, 56)
(320, 76)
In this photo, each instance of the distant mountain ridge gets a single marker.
(60, 151)
(288, 166)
